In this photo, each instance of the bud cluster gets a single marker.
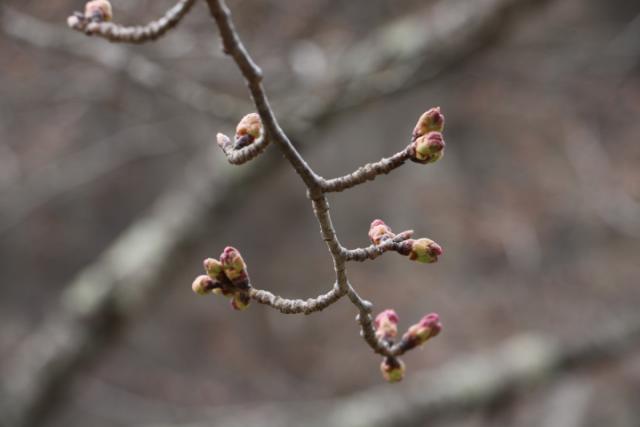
(226, 276)
(379, 231)
(421, 250)
(427, 144)
(386, 327)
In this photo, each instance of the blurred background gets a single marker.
(112, 193)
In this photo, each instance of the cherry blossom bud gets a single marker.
(430, 121)
(213, 267)
(234, 267)
(386, 324)
(248, 130)
(424, 250)
(204, 285)
(240, 301)
(379, 231)
(392, 369)
(428, 327)
(428, 148)
(98, 11)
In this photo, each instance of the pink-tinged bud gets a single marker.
(379, 231)
(98, 11)
(234, 267)
(430, 121)
(240, 301)
(392, 369)
(428, 327)
(424, 250)
(248, 130)
(386, 325)
(428, 148)
(204, 285)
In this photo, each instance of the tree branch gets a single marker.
(139, 34)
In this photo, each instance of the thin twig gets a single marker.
(138, 34)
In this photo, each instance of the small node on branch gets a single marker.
(386, 325)
(379, 232)
(418, 334)
(392, 369)
(248, 143)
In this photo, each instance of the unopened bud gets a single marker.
(430, 121)
(379, 231)
(428, 148)
(392, 369)
(203, 285)
(386, 324)
(428, 327)
(240, 301)
(248, 130)
(213, 267)
(424, 250)
(234, 267)
(98, 11)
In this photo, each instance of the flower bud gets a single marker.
(392, 369)
(248, 130)
(379, 231)
(213, 267)
(240, 301)
(428, 327)
(424, 250)
(386, 324)
(203, 285)
(430, 121)
(98, 11)
(234, 267)
(428, 148)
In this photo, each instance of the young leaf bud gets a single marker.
(204, 285)
(424, 250)
(428, 327)
(248, 130)
(428, 148)
(98, 11)
(234, 267)
(392, 369)
(379, 231)
(240, 301)
(386, 325)
(430, 121)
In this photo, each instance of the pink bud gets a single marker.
(234, 267)
(431, 120)
(248, 130)
(428, 148)
(428, 327)
(98, 11)
(424, 250)
(379, 231)
(386, 324)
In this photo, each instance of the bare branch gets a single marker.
(297, 306)
(242, 155)
(374, 251)
(139, 34)
(365, 173)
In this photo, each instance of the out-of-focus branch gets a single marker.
(469, 383)
(138, 69)
(92, 22)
